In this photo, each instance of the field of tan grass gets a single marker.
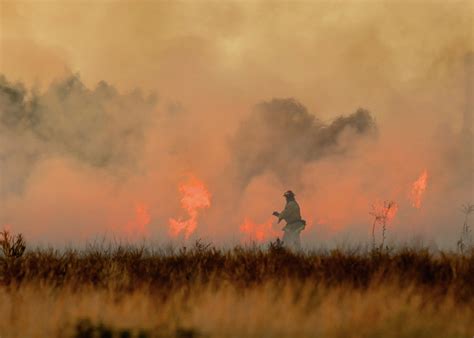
(240, 292)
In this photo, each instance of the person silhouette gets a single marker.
(294, 223)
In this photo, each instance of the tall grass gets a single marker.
(107, 291)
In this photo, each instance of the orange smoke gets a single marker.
(384, 212)
(258, 232)
(195, 196)
(138, 226)
(392, 212)
(418, 189)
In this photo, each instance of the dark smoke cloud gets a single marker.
(100, 128)
(281, 135)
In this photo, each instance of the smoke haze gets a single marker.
(97, 127)
(106, 108)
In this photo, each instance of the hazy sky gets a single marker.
(123, 100)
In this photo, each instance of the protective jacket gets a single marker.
(291, 214)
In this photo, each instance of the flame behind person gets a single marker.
(294, 224)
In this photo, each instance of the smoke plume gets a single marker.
(99, 128)
(280, 136)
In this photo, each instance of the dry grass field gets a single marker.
(126, 291)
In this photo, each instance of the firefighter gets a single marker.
(294, 223)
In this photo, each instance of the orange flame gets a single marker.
(138, 226)
(258, 232)
(418, 189)
(195, 196)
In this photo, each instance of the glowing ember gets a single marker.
(418, 189)
(258, 232)
(195, 196)
(138, 226)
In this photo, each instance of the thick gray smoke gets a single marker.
(99, 127)
(281, 135)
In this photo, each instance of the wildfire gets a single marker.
(418, 189)
(258, 232)
(195, 196)
(138, 226)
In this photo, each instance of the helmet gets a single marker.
(289, 193)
